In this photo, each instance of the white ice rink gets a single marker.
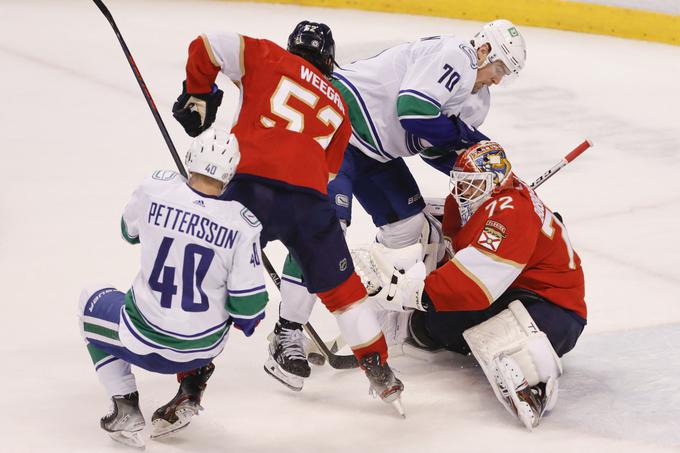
(76, 137)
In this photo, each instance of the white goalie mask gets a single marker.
(214, 154)
(507, 45)
(479, 171)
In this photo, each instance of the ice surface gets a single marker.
(77, 137)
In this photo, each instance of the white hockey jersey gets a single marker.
(200, 266)
(422, 79)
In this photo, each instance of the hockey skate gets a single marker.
(125, 421)
(287, 362)
(177, 414)
(383, 381)
(527, 403)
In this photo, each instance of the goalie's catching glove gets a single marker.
(197, 112)
(388, 284)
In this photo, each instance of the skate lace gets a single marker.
(291, 340)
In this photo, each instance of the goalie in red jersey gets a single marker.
(292, 129)
(512, 293)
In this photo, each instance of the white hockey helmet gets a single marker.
(214, 154)
(507, 45)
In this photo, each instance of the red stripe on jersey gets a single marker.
(201, 72)
(343, 295)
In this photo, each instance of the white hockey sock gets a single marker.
(359, 324)
(117, 378)
(296, 302)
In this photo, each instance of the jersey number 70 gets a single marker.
(296, 119)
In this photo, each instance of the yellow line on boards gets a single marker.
(557, 14)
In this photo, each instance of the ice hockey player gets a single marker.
(421, 98)
(513, 292)
(200, 273)
(292, 129)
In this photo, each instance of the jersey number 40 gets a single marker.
(162, 278)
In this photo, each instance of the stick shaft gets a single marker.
(573, 154)
(142, 85)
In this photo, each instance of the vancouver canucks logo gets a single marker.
(249, 217)
(163, 175)
(471, 54)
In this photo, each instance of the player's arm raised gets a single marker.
(209, 54)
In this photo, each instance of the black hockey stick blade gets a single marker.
(339, 362)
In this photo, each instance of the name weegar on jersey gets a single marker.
(277, 143)
(200, 270)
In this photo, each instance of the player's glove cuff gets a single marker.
(197, 112)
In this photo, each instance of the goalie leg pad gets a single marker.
(517, 358)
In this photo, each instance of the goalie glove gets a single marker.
(388, 284)
(197, 112)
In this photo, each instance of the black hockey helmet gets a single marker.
(314, 42)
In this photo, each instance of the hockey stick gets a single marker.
(336, 361)
(563, 163)
(145, 91)
(339, 362)
(435, 206)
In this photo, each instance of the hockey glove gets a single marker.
(390, 287)
(404, 290)
(197, 112)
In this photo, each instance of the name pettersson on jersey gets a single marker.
(192, 224)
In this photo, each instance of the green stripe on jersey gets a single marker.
(412, 106)
(435, 152)
(356, 115)
(163, 339)
(96, 354)
(291, 268)
(99, 330)
(247, 306)
(126, 235)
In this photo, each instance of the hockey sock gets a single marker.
(114, 374)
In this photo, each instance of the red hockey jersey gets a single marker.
(512, 240)
(292, 126)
